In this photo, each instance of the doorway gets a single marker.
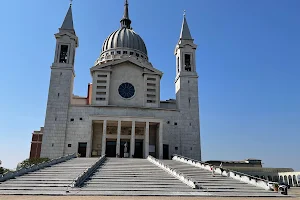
(82, 149)
(165, 151)
(110, 148)
(138, 150)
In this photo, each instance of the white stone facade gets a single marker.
(163, 128)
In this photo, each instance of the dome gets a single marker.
(124, 38)
(123, 43)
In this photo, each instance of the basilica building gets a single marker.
(122, 114)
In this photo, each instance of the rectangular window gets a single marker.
(131, 53)
(63, 56)
(151, 84)
(118, 52)
(102, 75)
(151, 79)
(150, 101)
(151, 95)
(101, 81)
(101, 93)
(187, 62)
(151, 90)
(112, 53)
(124, 52)
(101, 87)
(100, 99)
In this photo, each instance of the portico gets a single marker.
(143, 137)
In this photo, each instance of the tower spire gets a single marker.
(68, 21)
(125, 21)
(185, 33)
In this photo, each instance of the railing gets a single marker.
(185, 179)
(226, 172)
(81, 178)
(33, 168)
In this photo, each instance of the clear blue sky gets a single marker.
(248, 61)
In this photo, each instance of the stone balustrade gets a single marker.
(33, 168)
(79, 180)
(225, 172)
(183, 178)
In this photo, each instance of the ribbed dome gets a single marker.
(124, 38)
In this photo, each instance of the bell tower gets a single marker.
(186, 84)
(60, 90)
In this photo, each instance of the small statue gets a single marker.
(125, 147)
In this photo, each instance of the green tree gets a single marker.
(31, 161)
(4, 170)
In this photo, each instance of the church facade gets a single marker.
(122, 115)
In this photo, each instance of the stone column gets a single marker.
(103, 150)
(146, 141)
(132, 139)
(160, 140)
(118, 138)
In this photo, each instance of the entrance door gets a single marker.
(82, 149)
(138, 150)
(122, 143)
(166, 151)
(111, 148)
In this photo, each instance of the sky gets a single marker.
(247, 60)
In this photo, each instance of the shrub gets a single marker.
(4, 170)
(31, 161)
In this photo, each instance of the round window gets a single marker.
(126, 90)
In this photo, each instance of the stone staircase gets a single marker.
(52, 180)
(129, 177)
(219, 185)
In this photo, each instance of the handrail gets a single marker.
(242, 177)
(33, 168)
(80, 179)
(185, 179)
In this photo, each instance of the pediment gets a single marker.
(147, 67)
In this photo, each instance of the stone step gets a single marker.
(129, 175)
(134, 185)
(16, 182)
(33, 179)
(143, 183)
(134, 178)
(34, 188)
(135, 189)
(34, 185)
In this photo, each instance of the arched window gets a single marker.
(178, 64)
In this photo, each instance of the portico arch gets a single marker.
(285, 179)
(280, 179)
(270, 178)
(294, 180)
(290, 180)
